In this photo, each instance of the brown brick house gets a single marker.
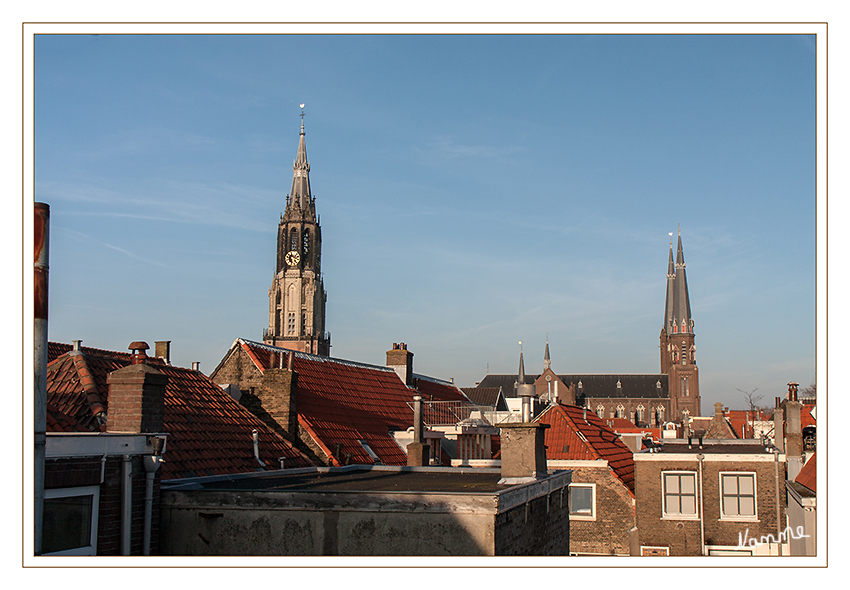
(337, 412)
(602, 501)
(710, 498)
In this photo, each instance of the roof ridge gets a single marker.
(315, 357)
(96, 401)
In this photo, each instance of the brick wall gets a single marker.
(615, 515)
(65, 473)
(540, 527)
(682, 536)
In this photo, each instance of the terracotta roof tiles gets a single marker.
(808, 474)
(342, 402)
(209, 433)
(575, 434)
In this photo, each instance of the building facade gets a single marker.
(297, 295)
(711, 498)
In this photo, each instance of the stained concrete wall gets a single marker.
(301, 523)
(531, 519)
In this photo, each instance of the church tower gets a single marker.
(678, 351)
(297, 296)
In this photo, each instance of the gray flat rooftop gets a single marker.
(353, 479)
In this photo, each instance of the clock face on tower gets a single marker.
(292, 258)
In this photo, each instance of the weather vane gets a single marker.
(302, 112)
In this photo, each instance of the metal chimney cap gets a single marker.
(139, 345)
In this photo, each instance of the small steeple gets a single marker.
(521, 375)
(547, 362)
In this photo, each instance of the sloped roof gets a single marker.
(60, 422)
(808, 474)
(594, 386)
(486, 396)
(574, 434)
(342, 402)
(209, 433)
(806, 418)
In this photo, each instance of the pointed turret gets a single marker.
(547, 362)
(671, 279)
(521, 375)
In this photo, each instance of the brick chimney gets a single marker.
(523, 452)
(793, 433)
(136, 395)
(401, 361)
(163, 350)
(278, 396)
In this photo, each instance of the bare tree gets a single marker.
(810, 392)
(752, 402)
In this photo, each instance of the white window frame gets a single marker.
(678, 515)
(579, 516)
(94, 492)
(738, 517)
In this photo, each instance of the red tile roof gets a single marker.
(60, 422)
(806, 418)
(808, 474)
(209, 433)
(574, 434)
(341, 403)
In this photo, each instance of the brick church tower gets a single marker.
(678, 352)
(297, 296)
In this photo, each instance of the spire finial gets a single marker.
(302, 118)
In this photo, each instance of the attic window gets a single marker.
(369, 450)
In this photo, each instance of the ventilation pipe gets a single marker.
(42, 248)
(256, 436)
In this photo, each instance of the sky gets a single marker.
(474, 192)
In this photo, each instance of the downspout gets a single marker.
(126, 505)
(700, 457)
(776, 488)
(42, 243)
(151, 465)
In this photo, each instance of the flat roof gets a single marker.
(353, 478)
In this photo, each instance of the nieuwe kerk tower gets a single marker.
(297, 296)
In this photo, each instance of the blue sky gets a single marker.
(474, 191)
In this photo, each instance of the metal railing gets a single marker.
(451, 413)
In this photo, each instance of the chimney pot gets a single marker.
(139, 354)
(76, 345)
(196, 366)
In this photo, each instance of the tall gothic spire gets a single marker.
(677, 310)
(299, 196)
(547, 362)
